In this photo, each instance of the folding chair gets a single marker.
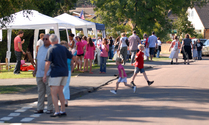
(30, 58)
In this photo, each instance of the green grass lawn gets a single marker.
(15, 88)
(161, 59)
(5, 74)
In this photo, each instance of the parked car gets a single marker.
(205, 49)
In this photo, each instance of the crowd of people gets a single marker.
(55, 62)
(187, 48)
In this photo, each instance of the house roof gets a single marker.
(89, 10)
(203, 13)
(172, 16)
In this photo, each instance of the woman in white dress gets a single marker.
(174, 48)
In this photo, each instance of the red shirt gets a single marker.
(139, 60)
(146, 42)
(16, 41)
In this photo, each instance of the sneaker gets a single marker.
(49, 112)
(150, 82)
(134, 88)
(133, 83)
(63, 114)
(55, 115)
(113, 91)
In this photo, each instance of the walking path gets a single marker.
(79, 85)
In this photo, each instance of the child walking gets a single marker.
(89, 55)
(122, 77)
(139, 65)
(103, 55)
(80, 52)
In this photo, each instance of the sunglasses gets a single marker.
(45, 38)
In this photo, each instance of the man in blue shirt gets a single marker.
(43, 87)
(152, 43)
(56, 58)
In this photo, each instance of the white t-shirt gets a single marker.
(40, 42)
(123, 44)
(158, 42)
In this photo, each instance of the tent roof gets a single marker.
(36, 20)
(79, 23)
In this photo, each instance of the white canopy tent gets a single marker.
(36, 21)
(79, 23)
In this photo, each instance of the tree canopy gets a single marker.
(144, 15)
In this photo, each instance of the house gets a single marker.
(199, 18)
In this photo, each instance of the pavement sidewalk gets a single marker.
(79, 85)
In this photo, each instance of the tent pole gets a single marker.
(36, 31)
(68, 40)
(73, 31)
(56, 31)
(8, 54)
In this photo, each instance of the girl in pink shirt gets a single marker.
(84, 41)
(103, 55)
(90, 48)
(80, 52)
(122, 77)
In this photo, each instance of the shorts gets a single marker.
(80, 54)
(137, 70)
(57, 81)
(152, 50)
(122, 79)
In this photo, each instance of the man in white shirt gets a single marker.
(40, 42)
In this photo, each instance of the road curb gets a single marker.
(72, 96)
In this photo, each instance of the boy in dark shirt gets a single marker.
(199, 49)
(139, 65)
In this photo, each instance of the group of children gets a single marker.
(139, 67)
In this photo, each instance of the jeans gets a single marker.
(66, 89)
(199, 53)
(133, 54)
(110, 53)
(123, 52)
(158, 53)
(103, 61)
(18, 58)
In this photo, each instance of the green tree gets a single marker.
(145, 15)
(183, 25)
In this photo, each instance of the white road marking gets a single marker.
(27, 107)
(20, 110)
(35, 115)
(26, 119)
(16, 124)
(14, 114)
(6, 118)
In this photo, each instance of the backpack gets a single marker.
(176, 46)
(127, 42)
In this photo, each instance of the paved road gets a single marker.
(178, 96)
